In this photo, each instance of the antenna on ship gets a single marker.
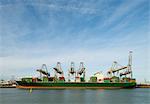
(71, 71)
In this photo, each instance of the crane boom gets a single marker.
(44, 70)
(119, 69)
(58, 71)
(125, 73)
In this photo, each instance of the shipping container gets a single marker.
(133, 80)
(60, 81)
(61, 78)
(106, 81)
(27, 79)
(106, 78)
(125, 79)
(82, 79)
(93, 79)
(115, 79)
(38, 79)
(45, 79)
(34, 79)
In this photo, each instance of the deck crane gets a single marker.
(115, 69)
(58, 70)
(129, 67)
(43, 71)
(81, 70)
(71, 71)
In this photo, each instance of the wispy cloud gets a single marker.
(123, 10)
(97, 33)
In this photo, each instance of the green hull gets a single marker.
(53, 85)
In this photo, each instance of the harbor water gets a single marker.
(76, 96)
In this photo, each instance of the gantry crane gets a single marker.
(71, 71)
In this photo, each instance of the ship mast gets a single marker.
(130, 63)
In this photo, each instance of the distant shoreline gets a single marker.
(143, 86)
(7, 86)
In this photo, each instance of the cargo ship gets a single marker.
(117, 77)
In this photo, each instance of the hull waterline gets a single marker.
(67, 85)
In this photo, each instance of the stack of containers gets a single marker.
(126, 80)
(106, 80)
(115, 79)
(61, 79)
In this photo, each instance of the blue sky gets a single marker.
(97, 32)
